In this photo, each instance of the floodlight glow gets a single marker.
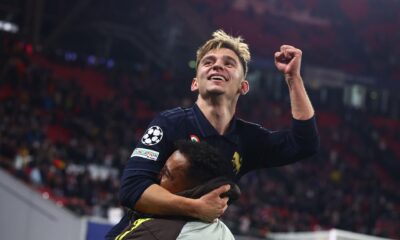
(8, 27)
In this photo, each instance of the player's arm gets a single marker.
(157, 200)
(139, 188)
(302, 140)
(139, 191)
(288, 61)
(268, 148)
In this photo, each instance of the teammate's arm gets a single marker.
(157, 200)
(139, 189)
(288, 61)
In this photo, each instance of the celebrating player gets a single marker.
(192, 170)
(222, 65)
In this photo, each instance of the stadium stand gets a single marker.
(68, 125)
(68, 129)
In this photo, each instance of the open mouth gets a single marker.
(217, 77)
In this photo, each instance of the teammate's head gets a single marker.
(192, 164)
(222, 40)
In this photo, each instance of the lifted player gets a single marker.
(220, 80)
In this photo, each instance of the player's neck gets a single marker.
(218, 112)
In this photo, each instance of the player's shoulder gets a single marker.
(177, 113)
(249, 128)
(173, 120)
(243, 124)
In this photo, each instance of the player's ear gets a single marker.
(244, 87)
(194, 87)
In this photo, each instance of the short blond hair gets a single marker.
(223, 40)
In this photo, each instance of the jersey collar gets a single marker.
(206, 129)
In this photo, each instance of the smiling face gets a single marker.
(174, 173)
(220, 72)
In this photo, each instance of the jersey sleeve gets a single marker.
(264, 148)
(146, 161)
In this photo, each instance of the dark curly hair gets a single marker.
(205, 161)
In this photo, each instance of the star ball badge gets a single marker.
(152, 136)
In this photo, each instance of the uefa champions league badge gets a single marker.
(152, 136)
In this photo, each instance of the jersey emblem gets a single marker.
(237, 162)
(152, 136)
(194, 138)
(145, 153)
(135, 225)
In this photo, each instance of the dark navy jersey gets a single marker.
(247, 145)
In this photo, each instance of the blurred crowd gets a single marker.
(360, 29)
(67, 129)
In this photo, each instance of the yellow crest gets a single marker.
(132, 227)
(237, 162)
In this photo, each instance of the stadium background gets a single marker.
(80, 81)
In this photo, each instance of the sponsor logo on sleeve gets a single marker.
(145, 153)
(152, 136)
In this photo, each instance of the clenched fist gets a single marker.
(288, 61)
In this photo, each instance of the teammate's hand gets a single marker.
(288, 61)
(212, 206)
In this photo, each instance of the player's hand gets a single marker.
(212, 206)
(288, 61)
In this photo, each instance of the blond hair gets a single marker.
(222, 40)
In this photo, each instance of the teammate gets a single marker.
(220, 80)
(191, 171)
